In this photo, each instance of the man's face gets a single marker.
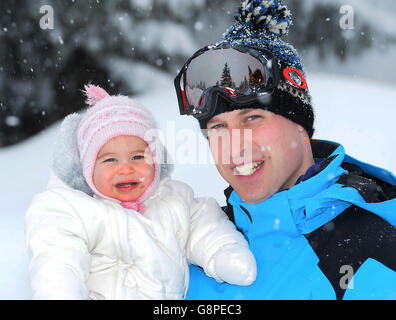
(258, 152)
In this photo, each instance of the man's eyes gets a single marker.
(253, 117)
(217, 126)
(249, 118)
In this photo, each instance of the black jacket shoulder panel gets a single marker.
(372, 189)
(349, 240)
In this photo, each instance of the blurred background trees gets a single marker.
(123, 45)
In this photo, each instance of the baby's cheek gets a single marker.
(146, 174)
(102, 180)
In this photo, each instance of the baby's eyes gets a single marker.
(138, 157)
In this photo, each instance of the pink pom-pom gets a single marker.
(94, 94)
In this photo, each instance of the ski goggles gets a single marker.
(239, 74)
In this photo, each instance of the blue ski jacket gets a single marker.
(331, 236)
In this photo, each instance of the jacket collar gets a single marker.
(301, 209)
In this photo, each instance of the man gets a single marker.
(320, 223)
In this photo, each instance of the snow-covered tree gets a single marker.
(226, 79)
(122, 45)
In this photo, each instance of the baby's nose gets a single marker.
(126, 168)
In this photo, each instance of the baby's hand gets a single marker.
(235, 264)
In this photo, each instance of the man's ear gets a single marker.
(303, 133)
(300, 128)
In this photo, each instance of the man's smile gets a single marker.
(248, 169)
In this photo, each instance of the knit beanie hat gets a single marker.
(262, 23)
(110, 117)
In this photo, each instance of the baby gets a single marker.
(119, 227)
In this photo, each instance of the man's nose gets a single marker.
(241, 146)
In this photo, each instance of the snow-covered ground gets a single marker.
(357, 113)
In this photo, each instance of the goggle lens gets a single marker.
(237, 72)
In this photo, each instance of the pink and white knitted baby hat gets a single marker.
(109, 117)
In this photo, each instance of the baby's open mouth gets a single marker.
(126, 184)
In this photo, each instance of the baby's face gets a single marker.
(124, 168)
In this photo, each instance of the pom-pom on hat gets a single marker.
(109, 117)
(262, 23)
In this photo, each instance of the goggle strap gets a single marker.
(180, 95)
(184, 100)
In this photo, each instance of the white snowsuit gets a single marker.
(85, 247)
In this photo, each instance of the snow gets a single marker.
(136, 75)
(356, 112)
(372, 64)
(379, 14)
(164, 37)
(360, 114)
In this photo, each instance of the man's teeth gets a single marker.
(248, 169)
